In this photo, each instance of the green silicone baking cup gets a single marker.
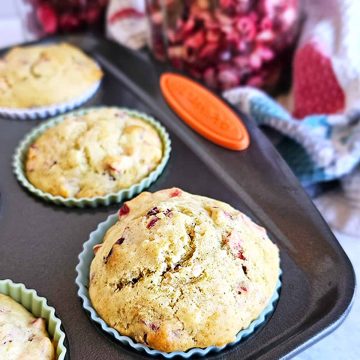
(38, 306)
(115, 197)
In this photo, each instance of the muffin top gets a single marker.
(44, 75)
(22, 336)
(94, 154)
(179, 271)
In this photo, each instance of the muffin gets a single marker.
(94, 153)
(179, 271)
(22, 336)
(45, 75)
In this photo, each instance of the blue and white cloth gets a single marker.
(318, 148)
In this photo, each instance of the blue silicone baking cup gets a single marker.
(82, 281)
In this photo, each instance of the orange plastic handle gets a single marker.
(204, 112)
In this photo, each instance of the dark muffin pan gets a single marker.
(40, 242)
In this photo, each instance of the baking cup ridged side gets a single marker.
(82, 281)
(38, 306)
(116, 197)
(44, 112)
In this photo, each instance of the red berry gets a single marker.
(47, 18)
(120, 241)
(195, 41)
(68, 22)
(175, 192)
(124, 210)
(152, 222)
(242, 289)
(153, 211)
(92, 15)
(246, 27)
(168, 213)
(154, 327)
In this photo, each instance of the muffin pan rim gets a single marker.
(131, 69)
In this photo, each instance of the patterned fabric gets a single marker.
(126, 22)
(318, 148)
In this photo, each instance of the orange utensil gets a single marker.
(204, 112)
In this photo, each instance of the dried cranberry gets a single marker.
(241, 255)
(152, 222)
(244, 268)
(154, 327)
(124, 210)
(168, 212)
(153, 211)
(120, 241)
(175, 192)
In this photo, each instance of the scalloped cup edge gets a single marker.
(25, 295)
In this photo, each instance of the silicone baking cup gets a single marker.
(116, 197)
(44, 112)
(82, 281)
(38, 306)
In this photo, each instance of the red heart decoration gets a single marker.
(316, 88)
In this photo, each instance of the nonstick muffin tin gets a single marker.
(40, 242)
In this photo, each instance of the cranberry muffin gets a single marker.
(179, 271)
(94, 153)
(45, 75)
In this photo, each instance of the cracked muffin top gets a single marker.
(179, 271)
(92, 154)
(44, 75)
(22, 336)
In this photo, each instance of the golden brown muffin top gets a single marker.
(44, 75)
(179, 271)
(93, 154)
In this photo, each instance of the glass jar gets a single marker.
(224, 43)
(44, 17)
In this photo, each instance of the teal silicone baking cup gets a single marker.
(115, 197)
(38, 306)
(82, 281)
